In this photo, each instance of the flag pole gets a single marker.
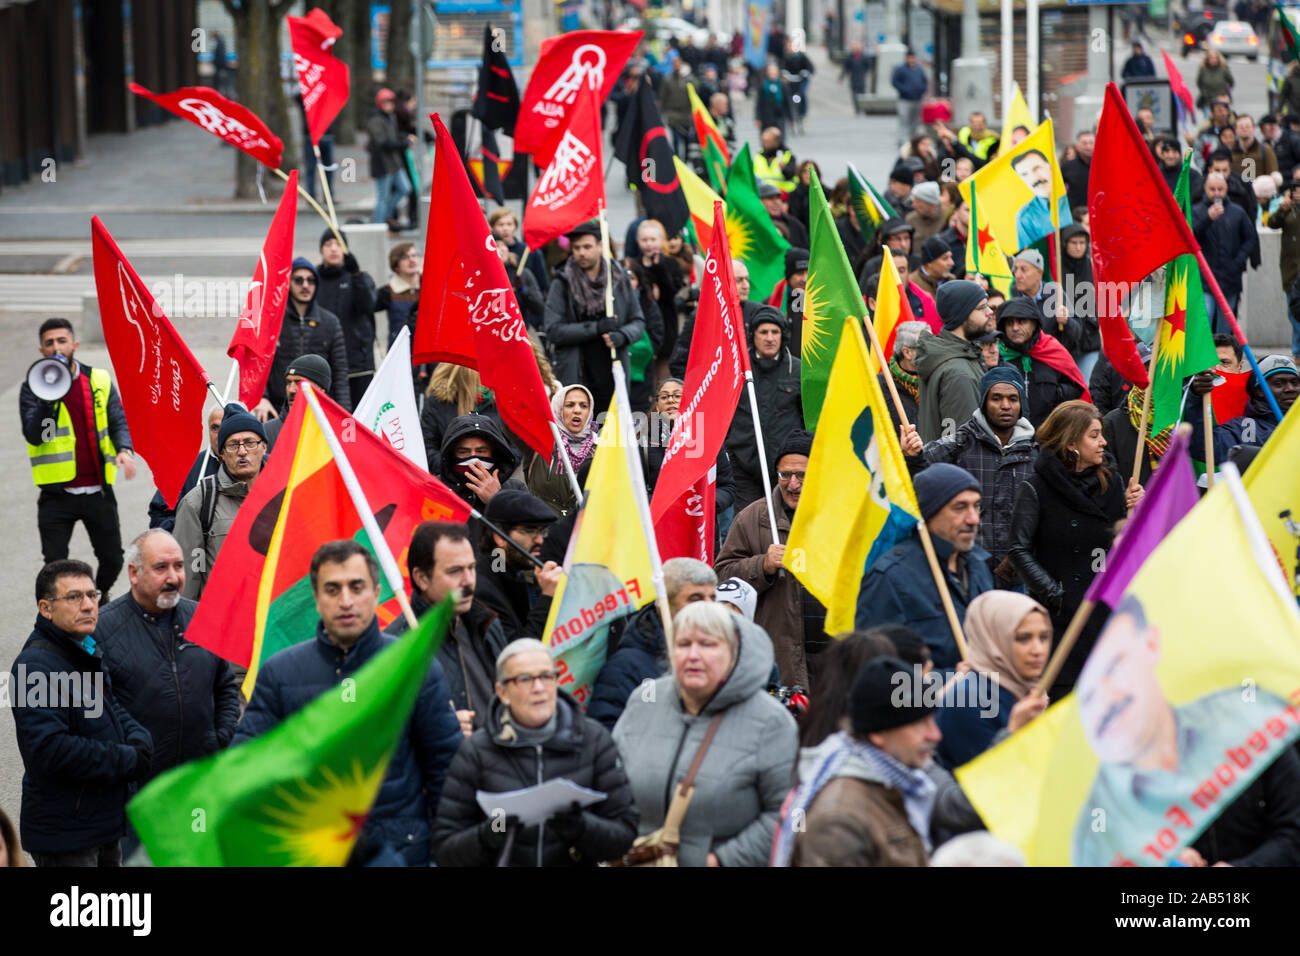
(1146, 403)
(632, 455)
(762, 456)
(608, 252)
(522, 261)
(387, 563)
(568, 465)
(307, 196)
(940, 582)
(1207, 414)
(1207, 278)
(511, 542)
(230, 383)
(329, 201)
(1062, 650)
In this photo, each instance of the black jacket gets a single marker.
(80, 763)
(1287, 151)
(682, 350)
(567, 333)
(492, 760)
(1195, 181)
(1075, 172)
(318, 333)
(184, 695)
(35, 412)
(1062, 526)
(511, 596)
(780, 410)
(349, 293)
(503, 453)
(1262, 826)
(1046, 386)
(1109, 389)
(1228, 242)
(386, 144)
(640, 656)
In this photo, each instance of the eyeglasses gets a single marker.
(527, 680)
(532, 530)
(249, 445)
(76, 597)
(790, 475)
(303, 280)
(670, 397)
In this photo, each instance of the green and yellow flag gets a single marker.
(753, 238)
(1186, 341)
(857, 501)
(830, 296)
(869, 206)
(983, 254)
(299, 794)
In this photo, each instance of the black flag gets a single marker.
(491, 171)
(496, 103)
(643, 147)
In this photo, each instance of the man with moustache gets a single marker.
(184, 695)
(508, 584)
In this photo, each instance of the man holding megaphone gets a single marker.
(76, 440)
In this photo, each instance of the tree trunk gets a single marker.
(363, 83)
(258, 85)
(401, 65)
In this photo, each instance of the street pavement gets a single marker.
(164, 193)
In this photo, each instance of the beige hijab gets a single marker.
(990, 625)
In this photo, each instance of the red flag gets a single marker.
(572, 188)
(1229, 398)
(258, 329)
(1136, 227)
(163, 386)
(715, 376)
(593, 58)
(468, 313)
(322, 77)
(223, 118)
(1179, 88)
(1053, 354)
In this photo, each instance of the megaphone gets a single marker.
(50, 378)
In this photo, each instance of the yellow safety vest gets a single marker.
(982, 145)
(771, 171)
(55, 462)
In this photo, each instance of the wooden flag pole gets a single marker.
(568, 465)
(940, 581)
(310, 199)
(1062, 650)
(1207, 412)
(1146, 403)
(608, 253)
(329, 201)
(523, 260)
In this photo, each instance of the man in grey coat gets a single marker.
(721, 665)
(205, 514)
(950, 364)
(576, 324)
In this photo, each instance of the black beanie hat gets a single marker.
(934, 248)
(328, 234)
(1019, 307)
(1004, 375)
(238, 419)
(798, 442)
(939, 484)
(956, 300)
(314, 368)
(889, 693)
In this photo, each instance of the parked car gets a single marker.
(1234, 38)
(1195, 25)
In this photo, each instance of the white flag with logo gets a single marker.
(388, 407)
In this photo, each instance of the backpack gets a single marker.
(207, 504)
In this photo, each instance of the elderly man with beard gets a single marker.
(184, 695)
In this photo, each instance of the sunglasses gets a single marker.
(304, 280)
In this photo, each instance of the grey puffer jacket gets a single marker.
(745, 775)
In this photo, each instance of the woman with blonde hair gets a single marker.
(1064, 520)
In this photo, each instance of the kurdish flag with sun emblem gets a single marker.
(869, 206)
(1186, 341)
(299, 794)
(753, 238)
(831, 295)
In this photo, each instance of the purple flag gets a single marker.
(1170, 495)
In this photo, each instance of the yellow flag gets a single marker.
(1019, 122)
(857, 499)
(1170, 719)
(1020, 194)
(1274, 489)
(608, 570)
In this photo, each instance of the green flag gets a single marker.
(753, 238)
(830, 296)
(299, 794)
(869, 206)
(1186, 341)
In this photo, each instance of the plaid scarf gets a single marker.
(910, 383)
(1158, 443)
(588, 293)
(917, 788)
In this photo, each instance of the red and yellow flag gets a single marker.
(699, 199)
(717, 158)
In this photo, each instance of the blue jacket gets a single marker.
(899, 589)
(186, 696)
(403, 811)
(79, 760)
(968, 729)
(910, 81)
(640, 657)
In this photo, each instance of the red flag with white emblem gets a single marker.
(585, 58)
(162, 384)
(468, 313)
(322, 77)
(258, 331)
(223, 118)
(572, 188)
